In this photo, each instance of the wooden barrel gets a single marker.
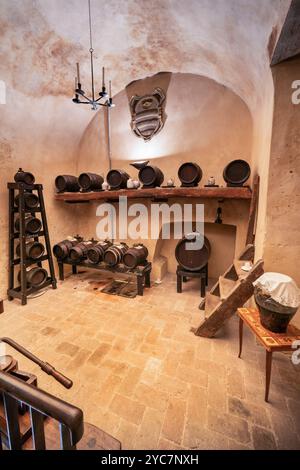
(79, 251)
(34, 250)
(114, 254)
(151, 176)
(194, 259)
(135, 255)
(32, 224)
(236, 173)
(190, 174)
(35, 277)
(24, 177)
(62, 249)
(95, 254)
(67, 183)
(31, 200)
(90, 181)
(117, 179)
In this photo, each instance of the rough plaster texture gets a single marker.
(282, 249)
(42, 40)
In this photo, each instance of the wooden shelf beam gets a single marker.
(158, 193)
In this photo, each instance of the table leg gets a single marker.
(268, 373)
(74, 269)
(147, 279)
(241, 327)
(139, 285)
(202, 284)
(61, 271)
(179, 284)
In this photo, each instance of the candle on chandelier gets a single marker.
(78, 72)
(103, 77)
(110, 89)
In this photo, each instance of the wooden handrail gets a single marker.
(68, 415)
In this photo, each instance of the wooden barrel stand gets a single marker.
(183, 275)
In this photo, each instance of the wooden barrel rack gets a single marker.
(141, 272)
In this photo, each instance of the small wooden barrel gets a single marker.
(62, 249)
(31, 200)
(79, 251)
(114, 254)
(95, 254)
(190, 174)
(34, 250)
(193, 259)
(24, 177)
(67, 183)
(135, 255)
(151, 176)
(236, 173)
(117, 179)
(90, 181)
(35, 277)
(32, 224)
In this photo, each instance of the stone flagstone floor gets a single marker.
(142, 376)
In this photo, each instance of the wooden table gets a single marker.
(272, 342)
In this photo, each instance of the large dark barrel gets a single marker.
(67, 183)
(190, 174)
(151, 176)
(34, 250)
(62, 249)
(117, 179)
(35, 277)
(135, 255)
(90, 181)
(24, 177)
(95, 254)
(32, 224)
(114, 254)
(236, 173)
(31, 200)
(79, 252)
(192, 260)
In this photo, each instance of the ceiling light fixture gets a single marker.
(80, 93)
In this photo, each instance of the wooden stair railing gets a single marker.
(50, 422)
(40, 404)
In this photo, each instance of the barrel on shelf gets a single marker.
(32, 224)
(135, 256)
(62, 249)
(67, 183)
(193, 259)
(90, 181)
(35, 277)
(31, 200)
(117, 179)
(33, 250)
(236, 173)
(114, 254)
(151, 176)
(190, 174)
(95, 254)
(79, 251)
(24, 177)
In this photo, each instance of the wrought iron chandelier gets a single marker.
(104, 99)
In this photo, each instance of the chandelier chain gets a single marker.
(90, 24)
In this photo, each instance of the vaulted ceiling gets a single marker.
(229, 41)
